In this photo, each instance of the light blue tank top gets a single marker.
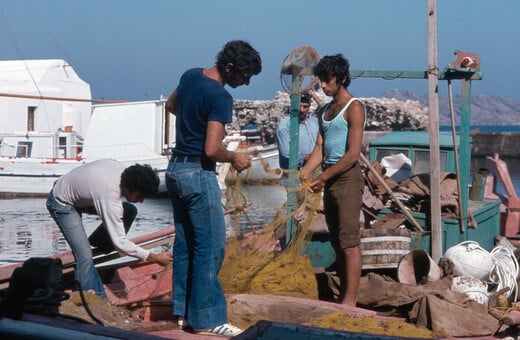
(335, 134)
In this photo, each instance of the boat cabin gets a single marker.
(45, 108)
(483, 216)
(41, 145)
(415, 145)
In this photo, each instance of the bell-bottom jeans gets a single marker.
(199, 246)
(68, 219)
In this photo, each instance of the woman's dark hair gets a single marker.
(140, 178)
(244, 58)
(333, 66)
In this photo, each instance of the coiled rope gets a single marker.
(470, 259)
(504, 271)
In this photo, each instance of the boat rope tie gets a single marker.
(85, 304)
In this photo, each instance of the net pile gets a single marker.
(255, 262)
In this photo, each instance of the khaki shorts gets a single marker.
(342, 201)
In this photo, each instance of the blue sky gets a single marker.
(137, 49)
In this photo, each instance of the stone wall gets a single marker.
(383, 115)
(506, 144)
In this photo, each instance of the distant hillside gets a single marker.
(485, 110)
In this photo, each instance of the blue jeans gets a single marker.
(199, 246)
(68, 219)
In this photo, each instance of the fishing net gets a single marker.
(259, 264)
(258, 261)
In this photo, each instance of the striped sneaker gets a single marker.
(182, 323)
(222, 330)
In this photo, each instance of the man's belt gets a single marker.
(206, 163)
(186, 159)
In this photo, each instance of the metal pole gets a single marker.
(293, 155)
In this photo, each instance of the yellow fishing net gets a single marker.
(254, 261)
(254, 264)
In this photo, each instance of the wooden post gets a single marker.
(433, 80)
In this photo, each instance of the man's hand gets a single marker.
(163, 258)
(316, 185)
(241, 161)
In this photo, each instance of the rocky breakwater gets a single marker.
(383, 114)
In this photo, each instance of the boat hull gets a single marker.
(264, 168)
(34, 177)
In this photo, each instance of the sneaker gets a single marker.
(183, 323)
(222, 330)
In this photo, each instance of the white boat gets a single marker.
(49, 126)
(265, 166)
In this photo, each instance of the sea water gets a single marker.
(27, 230)
(485, 128)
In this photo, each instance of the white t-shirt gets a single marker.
(97, 184)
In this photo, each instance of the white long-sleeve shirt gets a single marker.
(97, 184)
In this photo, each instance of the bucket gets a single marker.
(417, 267)
(383, 248)
(478, 186)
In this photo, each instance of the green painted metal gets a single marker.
(466, 76)
(412, 144)
(449, 73)
(465, 149)
(293, 164)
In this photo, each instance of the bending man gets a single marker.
(97, 188)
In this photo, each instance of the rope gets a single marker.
(504, 271)
(85, 304)
(470, 259)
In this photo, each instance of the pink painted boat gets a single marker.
(510, 206)
(127, 282)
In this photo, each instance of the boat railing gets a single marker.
(148, 241)
(122, 151)
(7, 150)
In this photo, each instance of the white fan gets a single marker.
(296, 73)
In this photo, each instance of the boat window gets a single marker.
(381, 153)
(63, 147)
(421, 162)
(24, 149)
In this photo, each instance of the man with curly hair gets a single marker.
(97, 188)
(337, 150)
(202, 107)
